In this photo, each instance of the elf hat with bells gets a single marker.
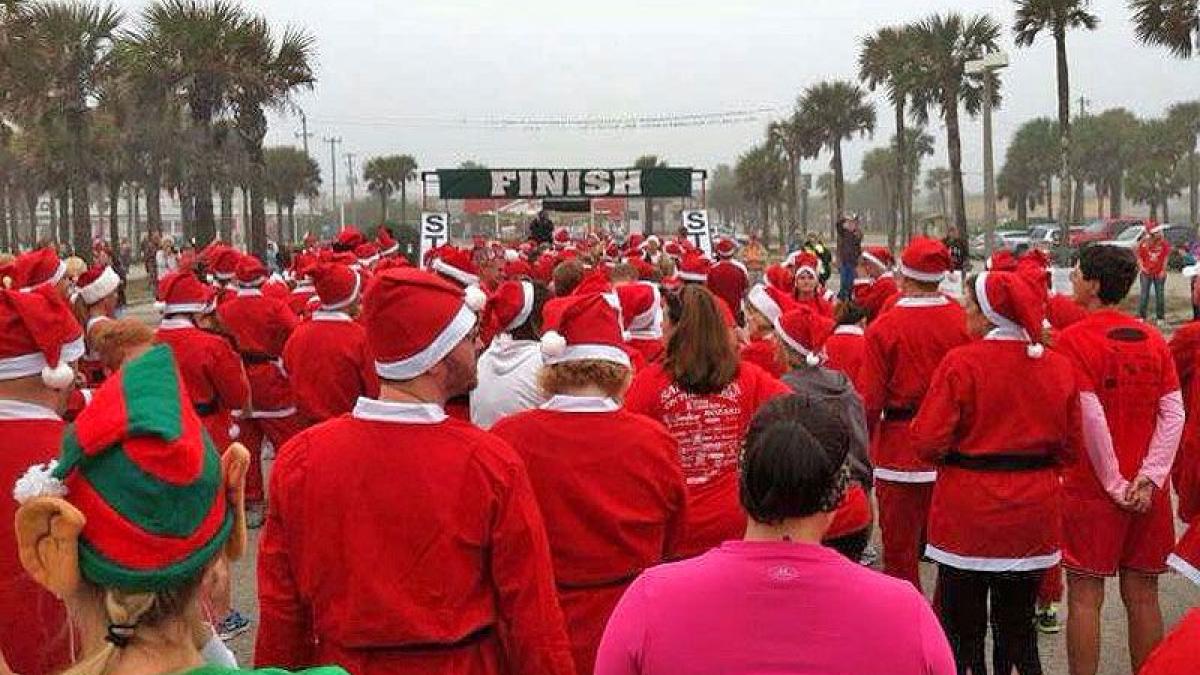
(139, 499)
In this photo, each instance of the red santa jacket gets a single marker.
(903, 348)
(421, 552)
(651, 350)
(33, 623)
(763, 352)
(844, 351)
(1152, 256)
(260, 326)
(728, 281)
(302, 300)
(212, 373)
(1062, 311)
(1185, 350)
(876, 296)
(999, 425)
(819, 304)
(1179, 652)
(329, 365)
(611, 491)
(709, 429)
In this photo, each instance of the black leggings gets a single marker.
(963, 598)
(851, 545)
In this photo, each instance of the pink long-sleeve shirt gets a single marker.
(780, 607)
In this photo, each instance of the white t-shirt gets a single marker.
(508, 372)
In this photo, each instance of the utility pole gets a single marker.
(303, 133)
(333, 142)
(988, 66)
(1083, 102)
(351, 178)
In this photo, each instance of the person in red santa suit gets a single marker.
(694, 269)
(97, 291)
(458, 266)
(302, 299)
(832, 407)
(705, 396)
(328, 361)
(1117, 513)
(764, 304)
(604, 527)
(904, 346)
(879, 290)
(222, 268)
(728, 278)
(808, 291)
(642, 312)
(508, 369)
(1001, 415)
(260, 327)
(845, 348)
(431, 560)
(39, 338)
(388, 246)
(41, 266)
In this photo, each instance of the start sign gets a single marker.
(698, 231)
(435, 232)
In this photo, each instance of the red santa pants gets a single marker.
(278, 430)
(903, 515)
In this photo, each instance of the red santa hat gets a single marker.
(414, 319)
(641, 310)
(644, 269)
(562, 237)
(302, 265)
(805, 261)
(250, 272)
(97, 283)
(1155, 227)
(508, 308)
(337, 286)
(457, 265)
(387, 245)
(38, 336)
(925, 259)
(1186, 557)
(674, 249)
(770, 301)
(183, 293)
(367, 254)
(1012, 304)
(277, 288)
(223, 263)
(38, 267)
(780, 277)
(726, 248)
(879, 256)
(1002, 260)
(634, 242)
(349, 238)
(694, 268)
(594, 282)
(805, 332)
(589, 328)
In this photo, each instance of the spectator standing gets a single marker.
(541, 228)
(849, 249)
(1152, 253)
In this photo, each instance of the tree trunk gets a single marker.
(81, 224)
(1023, 209)
(245, 214)
(1153, 210)
(64, 216)
(291, 222)
(1166, 209)
(1193, 194)
(1117, 195)
(31, 202)
(1064, 130)
(766, 223)
(891, 226)
(226, 230)
(1050, 198)
(902, 182)
(154, 199)
(1100, 199)
(1077, 208)
(279, 233)
(803, 209)
(203, 225)
(839, 187)
(954, 148)
(114, 217)
(403, 201)
(383, 204)
(6, 241)
(131, 199)
(187, 213)
(648, 227)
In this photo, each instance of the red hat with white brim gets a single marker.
(641, 310)
(250, 272)
(1186, 557)
(694, 268)
(38, 267)
(770, 301)
(336, 285)
(97, 283)
(1014, 306)
(926, 260)
(38, 336)
(804, 261)
(183, 293)
(879, 256)
(725, 248)
(456, 264)
(805, 332)
(509, 307)
(589, 329)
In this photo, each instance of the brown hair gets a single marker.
(114, 340)
(700, 356)
(532, 328)
(567, 275)
(563, 377)
(622, 272)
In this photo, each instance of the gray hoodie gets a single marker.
(508, 372)
(816, 383)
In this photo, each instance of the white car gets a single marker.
(1128, 238)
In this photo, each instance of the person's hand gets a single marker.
(1119, 494)
(1139, 494)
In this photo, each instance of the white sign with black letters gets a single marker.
(435, 232)
(698, 231)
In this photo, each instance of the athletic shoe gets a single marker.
(255, 515)
(1047, 619)
(232, 626)
(869, 557)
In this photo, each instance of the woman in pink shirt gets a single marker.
(776, 601)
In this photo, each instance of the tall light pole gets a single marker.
(351, 178)
(987, 66)
(333, 142)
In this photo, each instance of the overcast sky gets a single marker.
(381, 64)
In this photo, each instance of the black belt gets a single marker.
(999, 462)
(205, 408)
(607, 583)
(256, 358)
(469, 640)
(898, 414)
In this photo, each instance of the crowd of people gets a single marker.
(575, 455)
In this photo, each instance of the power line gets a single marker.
(573, 122)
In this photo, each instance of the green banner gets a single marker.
(560, 183)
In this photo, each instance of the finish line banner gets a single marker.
(552, 183)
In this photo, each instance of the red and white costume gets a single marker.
(709, 429)
(642, 313)
(903, 349)
(728, 279)
(845, 350)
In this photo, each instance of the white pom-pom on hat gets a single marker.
(234, 431)
(58, 377)
(159, 306)
(553, 344)
(476, 299)
(812, 359)
(511, 255)
(39, 481)
(1035, 350)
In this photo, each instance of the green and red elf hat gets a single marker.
(147, 478)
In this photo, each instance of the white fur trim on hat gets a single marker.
(349, 300)
(760, 300)
(927, 277)
(39, 481)
(874, 260)
(526, 307)
(692, 276)
(106, 284)
(1005, 324)
(28, 365)
(464, 278)
(417, 364)
(59, 377)
(511, 255)
(585, 352)
(59, 273)
(810, 357)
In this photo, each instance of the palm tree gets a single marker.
(880, 165)
(649, 162)
(404, 172)
(378, 175)
(839, 111)
(944, 43)
(795, 139)
(1185, 117)
(290, 173)
(937, 180)
(1156, 174)
(917, 146)
(886, 60)
(761, 176)
(1174, 24)
(1057, 16)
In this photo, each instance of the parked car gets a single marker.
(1176, 235)
(1103, 229)
(1047, 237)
